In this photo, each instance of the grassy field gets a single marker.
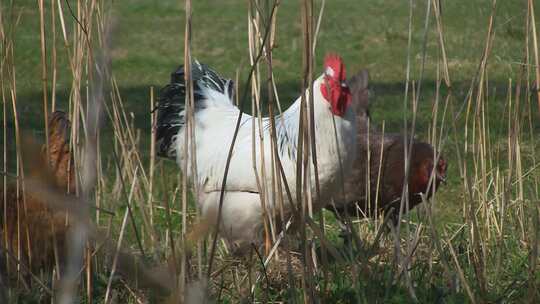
(477, 242)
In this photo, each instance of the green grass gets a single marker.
(147, 45)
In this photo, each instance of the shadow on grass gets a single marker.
(386, 104)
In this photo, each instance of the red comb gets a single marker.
(335, 62)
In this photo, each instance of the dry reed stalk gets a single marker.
(100, 184)
(119, 243)
(514, 150)
(131, 138)
(461, 274)
(65, 36)
(438, 142)
(405, 102)
(478, 257)
(129, 207)
(408, 258)
(44, 74)
(151, 169)
(279, 182)
(53, 54)
(121, 144)
(98, 80)
(75, 98)
(268, 190)
(229, 157)
(169, 238)
(535, 49)
(271, 190)
(529, 93)
(129, 157)
(437, 11)
(438, 147)
(368, 171)
(3, 61)
(312, 42)
(83, 158)
(189, 110)
(535, 222)
(277, 186)
(438, 242)
(254, 44)
(21, 193)
(533, 255)
(379, 173)
(301, 153)
(408, 139)
(74, 71)
(88, 266)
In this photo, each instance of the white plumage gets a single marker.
(215, 119)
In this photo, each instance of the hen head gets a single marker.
(421, 176)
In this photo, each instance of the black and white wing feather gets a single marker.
(171, 104)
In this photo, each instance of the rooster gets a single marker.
(376, 182)
(215, 117)
(32, 230)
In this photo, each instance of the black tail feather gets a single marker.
(171, 103)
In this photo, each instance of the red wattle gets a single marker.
(338, 96)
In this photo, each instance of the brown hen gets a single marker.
(376, 181)
(31, 231)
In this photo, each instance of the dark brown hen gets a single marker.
(60, 160)
(376, 181)
(31, 230)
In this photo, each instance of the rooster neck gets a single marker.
(287, 124)
(334, 136)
